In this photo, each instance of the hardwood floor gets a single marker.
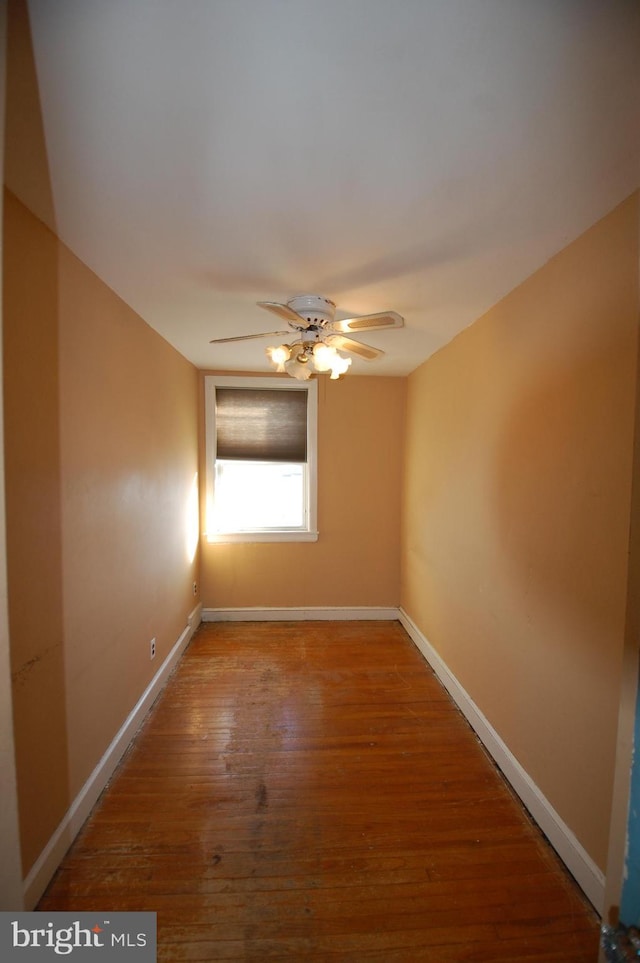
(307, 791)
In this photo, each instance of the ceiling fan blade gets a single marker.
(249, 337)
(385, 319)
(355, 347)
(284, 311)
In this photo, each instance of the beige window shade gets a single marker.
(261, 425)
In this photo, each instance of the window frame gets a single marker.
(310, 532)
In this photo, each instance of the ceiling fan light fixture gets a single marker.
(298, 370)
(294, 360)
(321, 337)
(279, 356)
(324, 356)
(339, 367)
(297, 366)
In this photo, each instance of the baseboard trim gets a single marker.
(322, 613)
(51, 856)
(194, 618)
(588, 876)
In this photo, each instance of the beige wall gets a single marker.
(517, 498)
(101, 461)
(356, 558)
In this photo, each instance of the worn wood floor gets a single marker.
(307, 791)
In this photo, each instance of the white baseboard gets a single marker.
(51, 856)
(322, 613)
(588, 876)
(194, 618)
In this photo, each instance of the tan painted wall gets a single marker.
(517, 499)
(101, 460)
(356, 558)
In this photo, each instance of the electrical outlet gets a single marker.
(152, 649)
(195, 588)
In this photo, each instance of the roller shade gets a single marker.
(255, 424)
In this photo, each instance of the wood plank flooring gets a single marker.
(307, 791)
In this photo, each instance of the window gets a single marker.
(261, 459)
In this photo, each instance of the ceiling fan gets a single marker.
(319, 336)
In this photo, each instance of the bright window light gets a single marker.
(253, 496)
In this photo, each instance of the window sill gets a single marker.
(282, 536)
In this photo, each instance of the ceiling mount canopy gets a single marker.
(320, 336)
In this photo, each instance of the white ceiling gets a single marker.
(423, 156)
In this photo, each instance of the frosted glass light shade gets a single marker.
(323, 356)
(339, 366)
(279, 356)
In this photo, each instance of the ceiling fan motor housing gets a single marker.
(313, 307)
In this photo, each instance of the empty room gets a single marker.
(320, 543)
